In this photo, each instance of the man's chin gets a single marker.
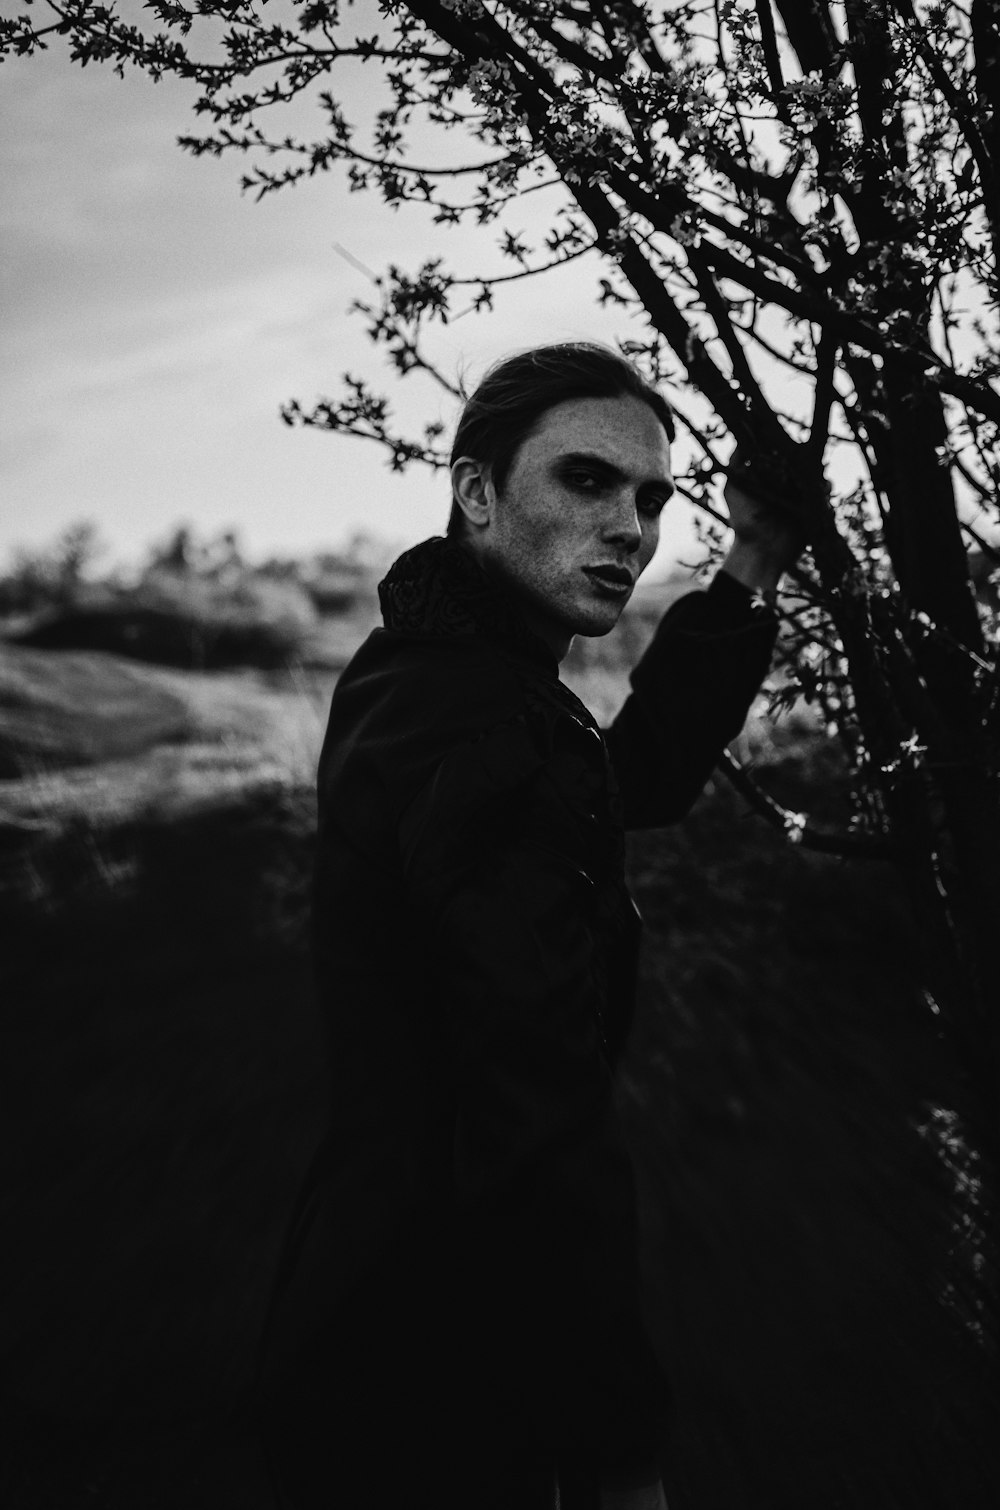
(598, 620)
(590, 617)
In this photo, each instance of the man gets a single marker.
(458, 1319)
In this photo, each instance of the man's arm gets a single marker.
(691, 692)
(693, 688)
(767, 539)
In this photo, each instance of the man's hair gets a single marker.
(512, 398)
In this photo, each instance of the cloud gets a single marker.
(155, 320)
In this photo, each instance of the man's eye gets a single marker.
(584, 482)
(651, 504)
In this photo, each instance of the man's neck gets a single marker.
(557, 639)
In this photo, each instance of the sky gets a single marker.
(155, 319)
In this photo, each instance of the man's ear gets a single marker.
(473, 491)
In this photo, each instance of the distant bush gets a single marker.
(196, 604)
(53, 576)
(183, 622)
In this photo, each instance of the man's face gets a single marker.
(578, 517)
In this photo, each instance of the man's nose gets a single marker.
(621, 525)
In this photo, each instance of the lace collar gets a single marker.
(439, 588)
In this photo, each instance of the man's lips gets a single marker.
(617, 579)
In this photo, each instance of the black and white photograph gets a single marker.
(499, 754)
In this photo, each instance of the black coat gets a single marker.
(467, 1249)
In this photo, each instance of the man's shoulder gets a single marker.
(404, 705)
(464, 679)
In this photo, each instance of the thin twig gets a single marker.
(795, 826)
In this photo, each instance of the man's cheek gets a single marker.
(647, 550)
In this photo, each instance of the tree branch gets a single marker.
(794, 825)
(772, 59)
(826, 366)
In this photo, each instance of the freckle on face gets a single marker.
(545, 531)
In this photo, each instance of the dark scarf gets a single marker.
(439, 588)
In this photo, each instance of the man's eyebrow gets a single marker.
(610, 468)
(590, 459)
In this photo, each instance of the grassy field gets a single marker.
(810, 1201)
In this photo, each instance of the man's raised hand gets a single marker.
(769, 538)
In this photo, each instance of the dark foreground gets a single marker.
(815, 1207)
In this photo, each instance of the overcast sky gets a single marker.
(155, 319)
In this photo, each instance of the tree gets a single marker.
(56, 575)
(799, 201)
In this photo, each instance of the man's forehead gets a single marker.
(623, 432)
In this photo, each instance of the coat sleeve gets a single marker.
(498, 868)
(691, 692)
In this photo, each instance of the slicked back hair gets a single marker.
(518, 391)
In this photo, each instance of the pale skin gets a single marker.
(576, 522)
(578, 518)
